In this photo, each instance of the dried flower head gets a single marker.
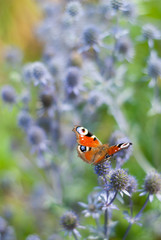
(8, 94)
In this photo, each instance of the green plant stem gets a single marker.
(106, 216)
(139, 213)
(127, 231)
(106, 224)
(112, 199)
(74, 235)
(135, 218)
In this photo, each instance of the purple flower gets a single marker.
(152, 185)
(8, 94)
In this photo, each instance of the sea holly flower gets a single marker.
(92, 39)
(93, 207)
(132, 185)
(124, 49)
(150, 33)
(74, 10)
(132, 220)
(107, 200)
(118, 181)
(24, 120)
(152, 186)
(103, 168)
(8, 94)
(70, 223)
(129, 11)
(40, 74)
(37, 139)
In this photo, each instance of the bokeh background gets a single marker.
(27, 192)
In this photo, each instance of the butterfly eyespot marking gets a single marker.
(94, 138)
(107, 156)
(84, 148)
(82, 130)
(124, 145)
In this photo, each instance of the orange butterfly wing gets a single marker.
(86, 138)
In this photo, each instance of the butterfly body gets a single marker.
(91, 150)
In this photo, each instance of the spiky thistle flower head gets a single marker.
(119, 180)
(152, 185)
(69, 220)
(103, 168)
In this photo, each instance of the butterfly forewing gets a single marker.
(86, 138)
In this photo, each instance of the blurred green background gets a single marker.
(18, 177)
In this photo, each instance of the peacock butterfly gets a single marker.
(91, 150)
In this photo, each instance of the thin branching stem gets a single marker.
(107, 215)
(135, 218)
(74, 235)
(112, 199)
(140, 212)
(127, 231)
(106, 224)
